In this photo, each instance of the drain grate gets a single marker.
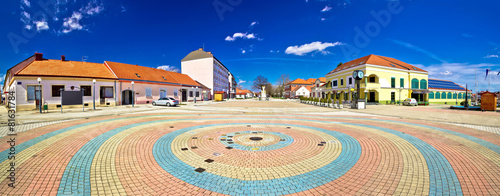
(171, 126)
(282, 139)
(229, 147)
(199, 170)
(288, 127)
(222, 139)
(323, 142)
(320, 144)
(209, 160)
(184, 148)
(230, 142)
(255, 138)
(195, 138)
(194, 147)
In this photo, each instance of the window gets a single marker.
(33, 92)
(371, 79)
(176, 92)
(149, 92)
(443, 95)
(197, 94)
(87, 90)
(414, 83)
(423, 84)
(335, 83)
(163, 93)
(56, 90)
(402, 82)
(449, 95)
(431, 95)
(454, 95)
(393, 96)
(190, 93)
(106, 92)
(438, 95)
(342, 82)
(350, 80)
(393, 82)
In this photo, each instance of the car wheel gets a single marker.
(154, 103)
(168, 104)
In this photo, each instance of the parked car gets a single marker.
(410, 102)
(168, 101)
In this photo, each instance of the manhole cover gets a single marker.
(320, 144)
(229, 147)
(288, 127)
(230, 142)
(200, 170)
(323, 142)
(171, 126)
(255, 138)
(222, 139)
(195, 138)
(282, 139)
(194, 147)
(184, 148)
(209, 160)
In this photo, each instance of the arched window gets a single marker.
(431, 95)
(449, 95)
(454, 95)
(459, 95)
(414, 83)
(443, 95)
(423, 84)
(438, 95)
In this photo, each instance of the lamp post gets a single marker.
(40, 90)
(93, 95)
(133, 94)
(456, 103)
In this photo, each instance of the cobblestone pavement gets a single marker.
(252, 154)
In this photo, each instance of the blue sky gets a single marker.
(450, 39)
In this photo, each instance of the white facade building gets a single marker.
(205, 68)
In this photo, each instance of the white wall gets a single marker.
(201, 70)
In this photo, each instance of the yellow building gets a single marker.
(386, 80)
(446, 92)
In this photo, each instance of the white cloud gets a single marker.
(123, 9)
(254, 23)
(491, 56)
(41, 25)
(26, 18)
(243, 51)
(2, 78)
(92, 8)
(446, 73)
(311, 47)
(72, 23)
(323, 19)
(326, 9)
(26, 3)
(240, 35)
(169, 68)
(240, 81)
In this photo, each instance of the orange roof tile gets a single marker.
(311, 80)
(309, 88)
(66, 69)
(322, 79)
(300, 81)
(378, 60)
(141, 73)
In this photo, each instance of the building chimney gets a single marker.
(38, 56)
(63, 58)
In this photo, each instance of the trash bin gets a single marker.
(46, 107)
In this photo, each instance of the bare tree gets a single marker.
(259, 82)
(281, 83)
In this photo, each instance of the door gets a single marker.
(372, 97)
(184, 95)
(393, 97)
(127, 97)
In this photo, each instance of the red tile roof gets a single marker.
(378, 60)
(141, 73)
(322, 79)
(311, 80)
(60, 68)
(300, 81)
(242, 91)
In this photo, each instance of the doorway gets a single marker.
(127, 97)
(371, 98)
(184, 95)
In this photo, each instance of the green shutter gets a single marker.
(393, 82)
(402, 82)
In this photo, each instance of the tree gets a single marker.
(281, 83)
(262, 81)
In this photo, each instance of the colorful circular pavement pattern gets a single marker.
(252, 155)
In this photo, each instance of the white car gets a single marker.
(410, 102)
(168, 101)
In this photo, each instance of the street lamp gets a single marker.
(93, 81)
(40, 90)
(456, 103)
(133, 94)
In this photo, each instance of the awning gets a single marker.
(423, 91)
